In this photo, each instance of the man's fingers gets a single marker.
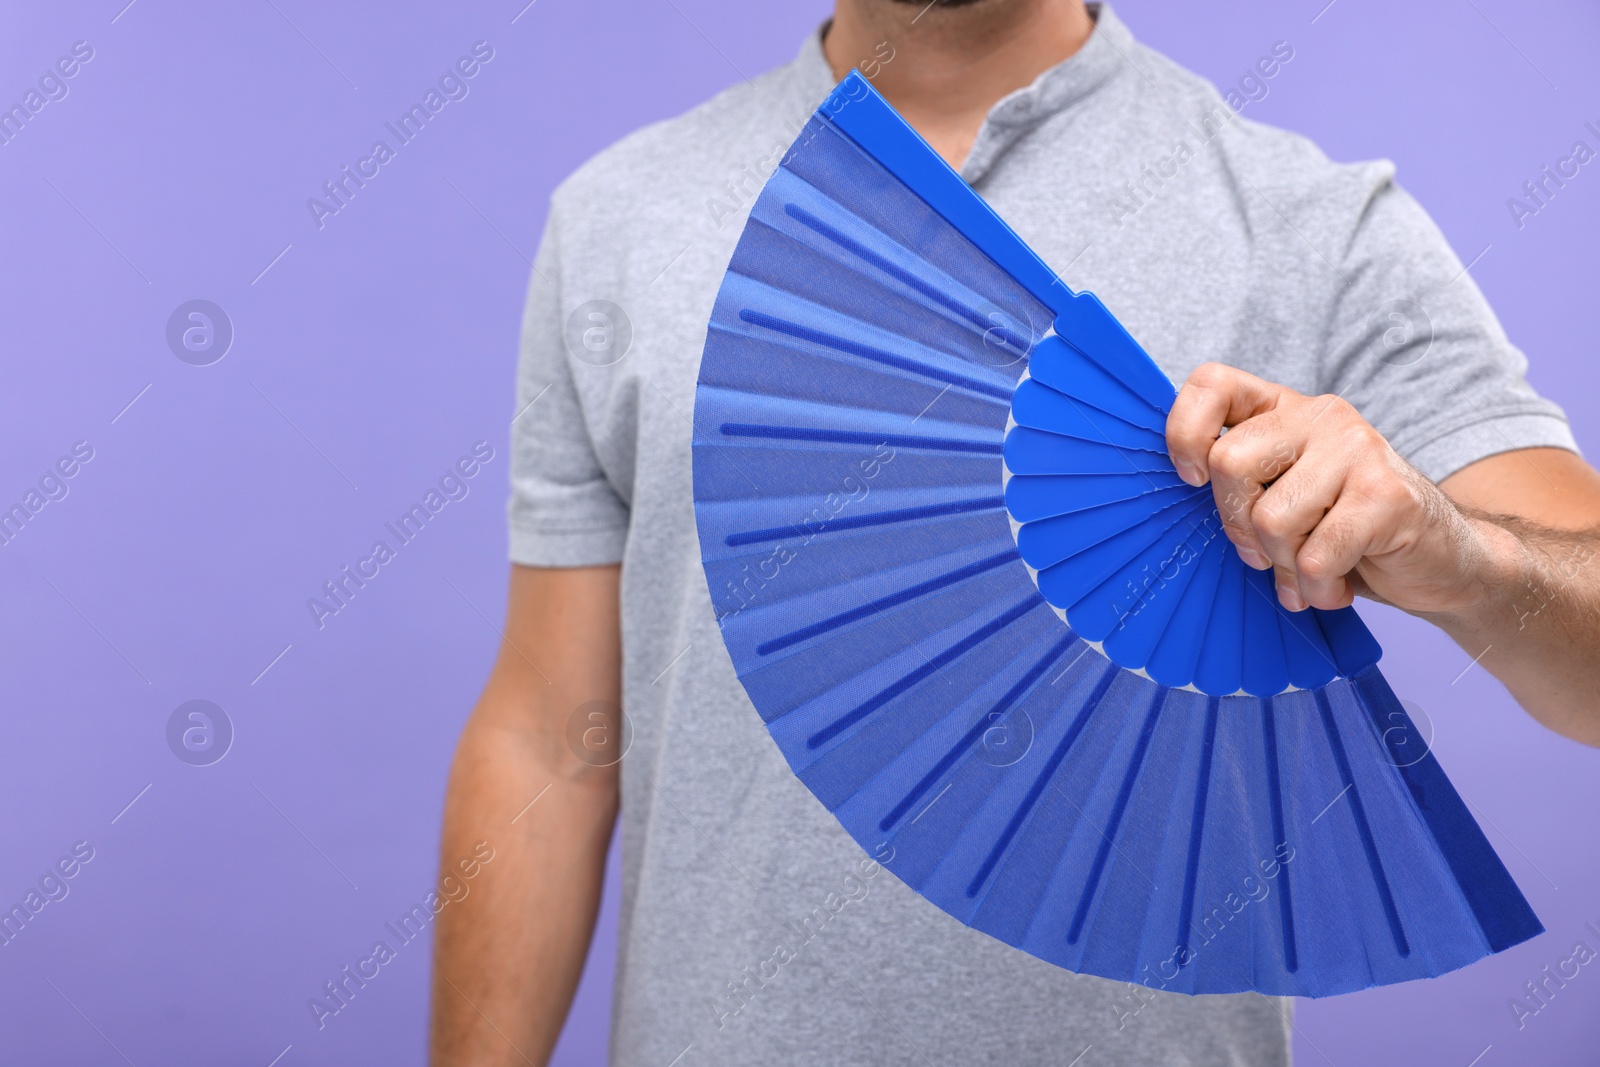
(1215, 396)
(1288, 587)
(1289, 510)
(1330, 554)
(1242, 463)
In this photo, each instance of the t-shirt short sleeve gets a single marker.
(1413, 344)
(563, 512)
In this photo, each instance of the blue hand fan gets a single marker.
(998, 637)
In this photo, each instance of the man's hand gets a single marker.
(1507, 561)
(1307, 487)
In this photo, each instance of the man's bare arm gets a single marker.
(1538, 625)
(1504, 556)
(507, 956)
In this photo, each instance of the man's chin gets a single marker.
(939, 3)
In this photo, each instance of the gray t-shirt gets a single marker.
(753, 929)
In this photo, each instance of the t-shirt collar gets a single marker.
(1102, 56)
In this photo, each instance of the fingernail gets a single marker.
(1252, 558)
(1188, 472)
(1291, 598)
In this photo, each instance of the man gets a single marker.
(1402, 458)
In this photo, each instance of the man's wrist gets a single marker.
(1498, 568)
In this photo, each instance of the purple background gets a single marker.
(370, 354)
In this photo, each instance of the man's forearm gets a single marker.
(535, 776)
(1536, 621)
(508, 957)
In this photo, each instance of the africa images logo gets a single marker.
(453, 485)
(453, 85)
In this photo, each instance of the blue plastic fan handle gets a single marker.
(1173, 663)
(1069, 581)
(1138, 583)
(1094, 331)
(1029, 451)
(1148, 603)
(1038, 406)
(1218, 668)
(1067, 370)
(1049, 541)
(1030, 497)
(1263, 671)
(1305, 649)
(1354, 647)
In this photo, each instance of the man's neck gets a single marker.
(944, 67)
